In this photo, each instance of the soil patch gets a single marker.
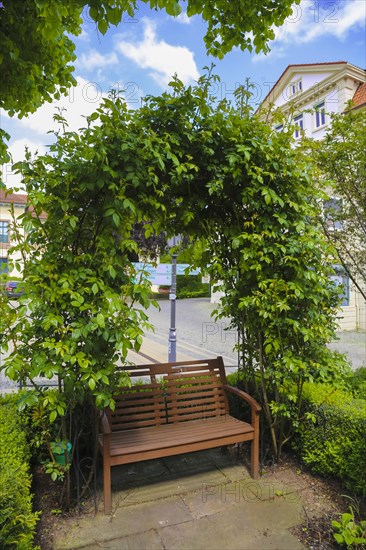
(322, 500)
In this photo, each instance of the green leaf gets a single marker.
(100, 320)
(116, 219)
(102, 26)
(173, 8)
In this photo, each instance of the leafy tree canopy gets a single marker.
(341, 160)
(37, 52)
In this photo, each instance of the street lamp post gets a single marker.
(172, 350)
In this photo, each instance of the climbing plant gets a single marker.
(192, 165)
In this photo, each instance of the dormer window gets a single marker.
(295, 88)
(320, 115)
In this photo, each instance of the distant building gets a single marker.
(12, 205)
(310, 93)
(19, 204)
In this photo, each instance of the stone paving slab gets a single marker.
(150, 540)
(207, 501)
(156, 479)
(244, 526)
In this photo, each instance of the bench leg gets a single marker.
(255, 458)
(107, 486)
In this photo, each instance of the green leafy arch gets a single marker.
(192, 165)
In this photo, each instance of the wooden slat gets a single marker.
(194, 386)
(190, 400)
(139, 401)
(199, 393)
(193, 405)
(133, 408)
(141, 440)
(177, 392)
(137, 392)
(181, 418)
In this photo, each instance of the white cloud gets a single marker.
(17, 150)
(277, 52)
(81, 100)
(93, 59)
(313, 20)
(353, 15)
(164, 59)
(183, 18)
(83, 36)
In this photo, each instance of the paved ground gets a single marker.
(199, 336)
(203, 500)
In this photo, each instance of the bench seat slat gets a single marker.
(168, 435)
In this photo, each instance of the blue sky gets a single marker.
(140, 55)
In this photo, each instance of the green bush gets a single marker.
(17, 521)
(190, 286)
(357, 382)
(332, 440)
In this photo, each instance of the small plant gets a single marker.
(350, 531)
(59, 465)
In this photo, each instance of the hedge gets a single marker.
(17, 521)
(335, 444)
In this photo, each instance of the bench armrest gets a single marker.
(256, 408)
(106, 427)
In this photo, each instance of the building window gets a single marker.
(4, 232)
(295, 88)
(279, 128)
(299, 125)
(341, 279)
(332, 210)
(320, 115)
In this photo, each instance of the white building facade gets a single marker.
(309, 94)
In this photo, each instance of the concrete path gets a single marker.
(200, 335)
(203, 500)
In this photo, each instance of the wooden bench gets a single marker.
(173, 408)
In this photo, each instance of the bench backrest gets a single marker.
(170, 392)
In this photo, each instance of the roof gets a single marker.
(13, 198)
(360, 96)
(289, 67)
(17, 198)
